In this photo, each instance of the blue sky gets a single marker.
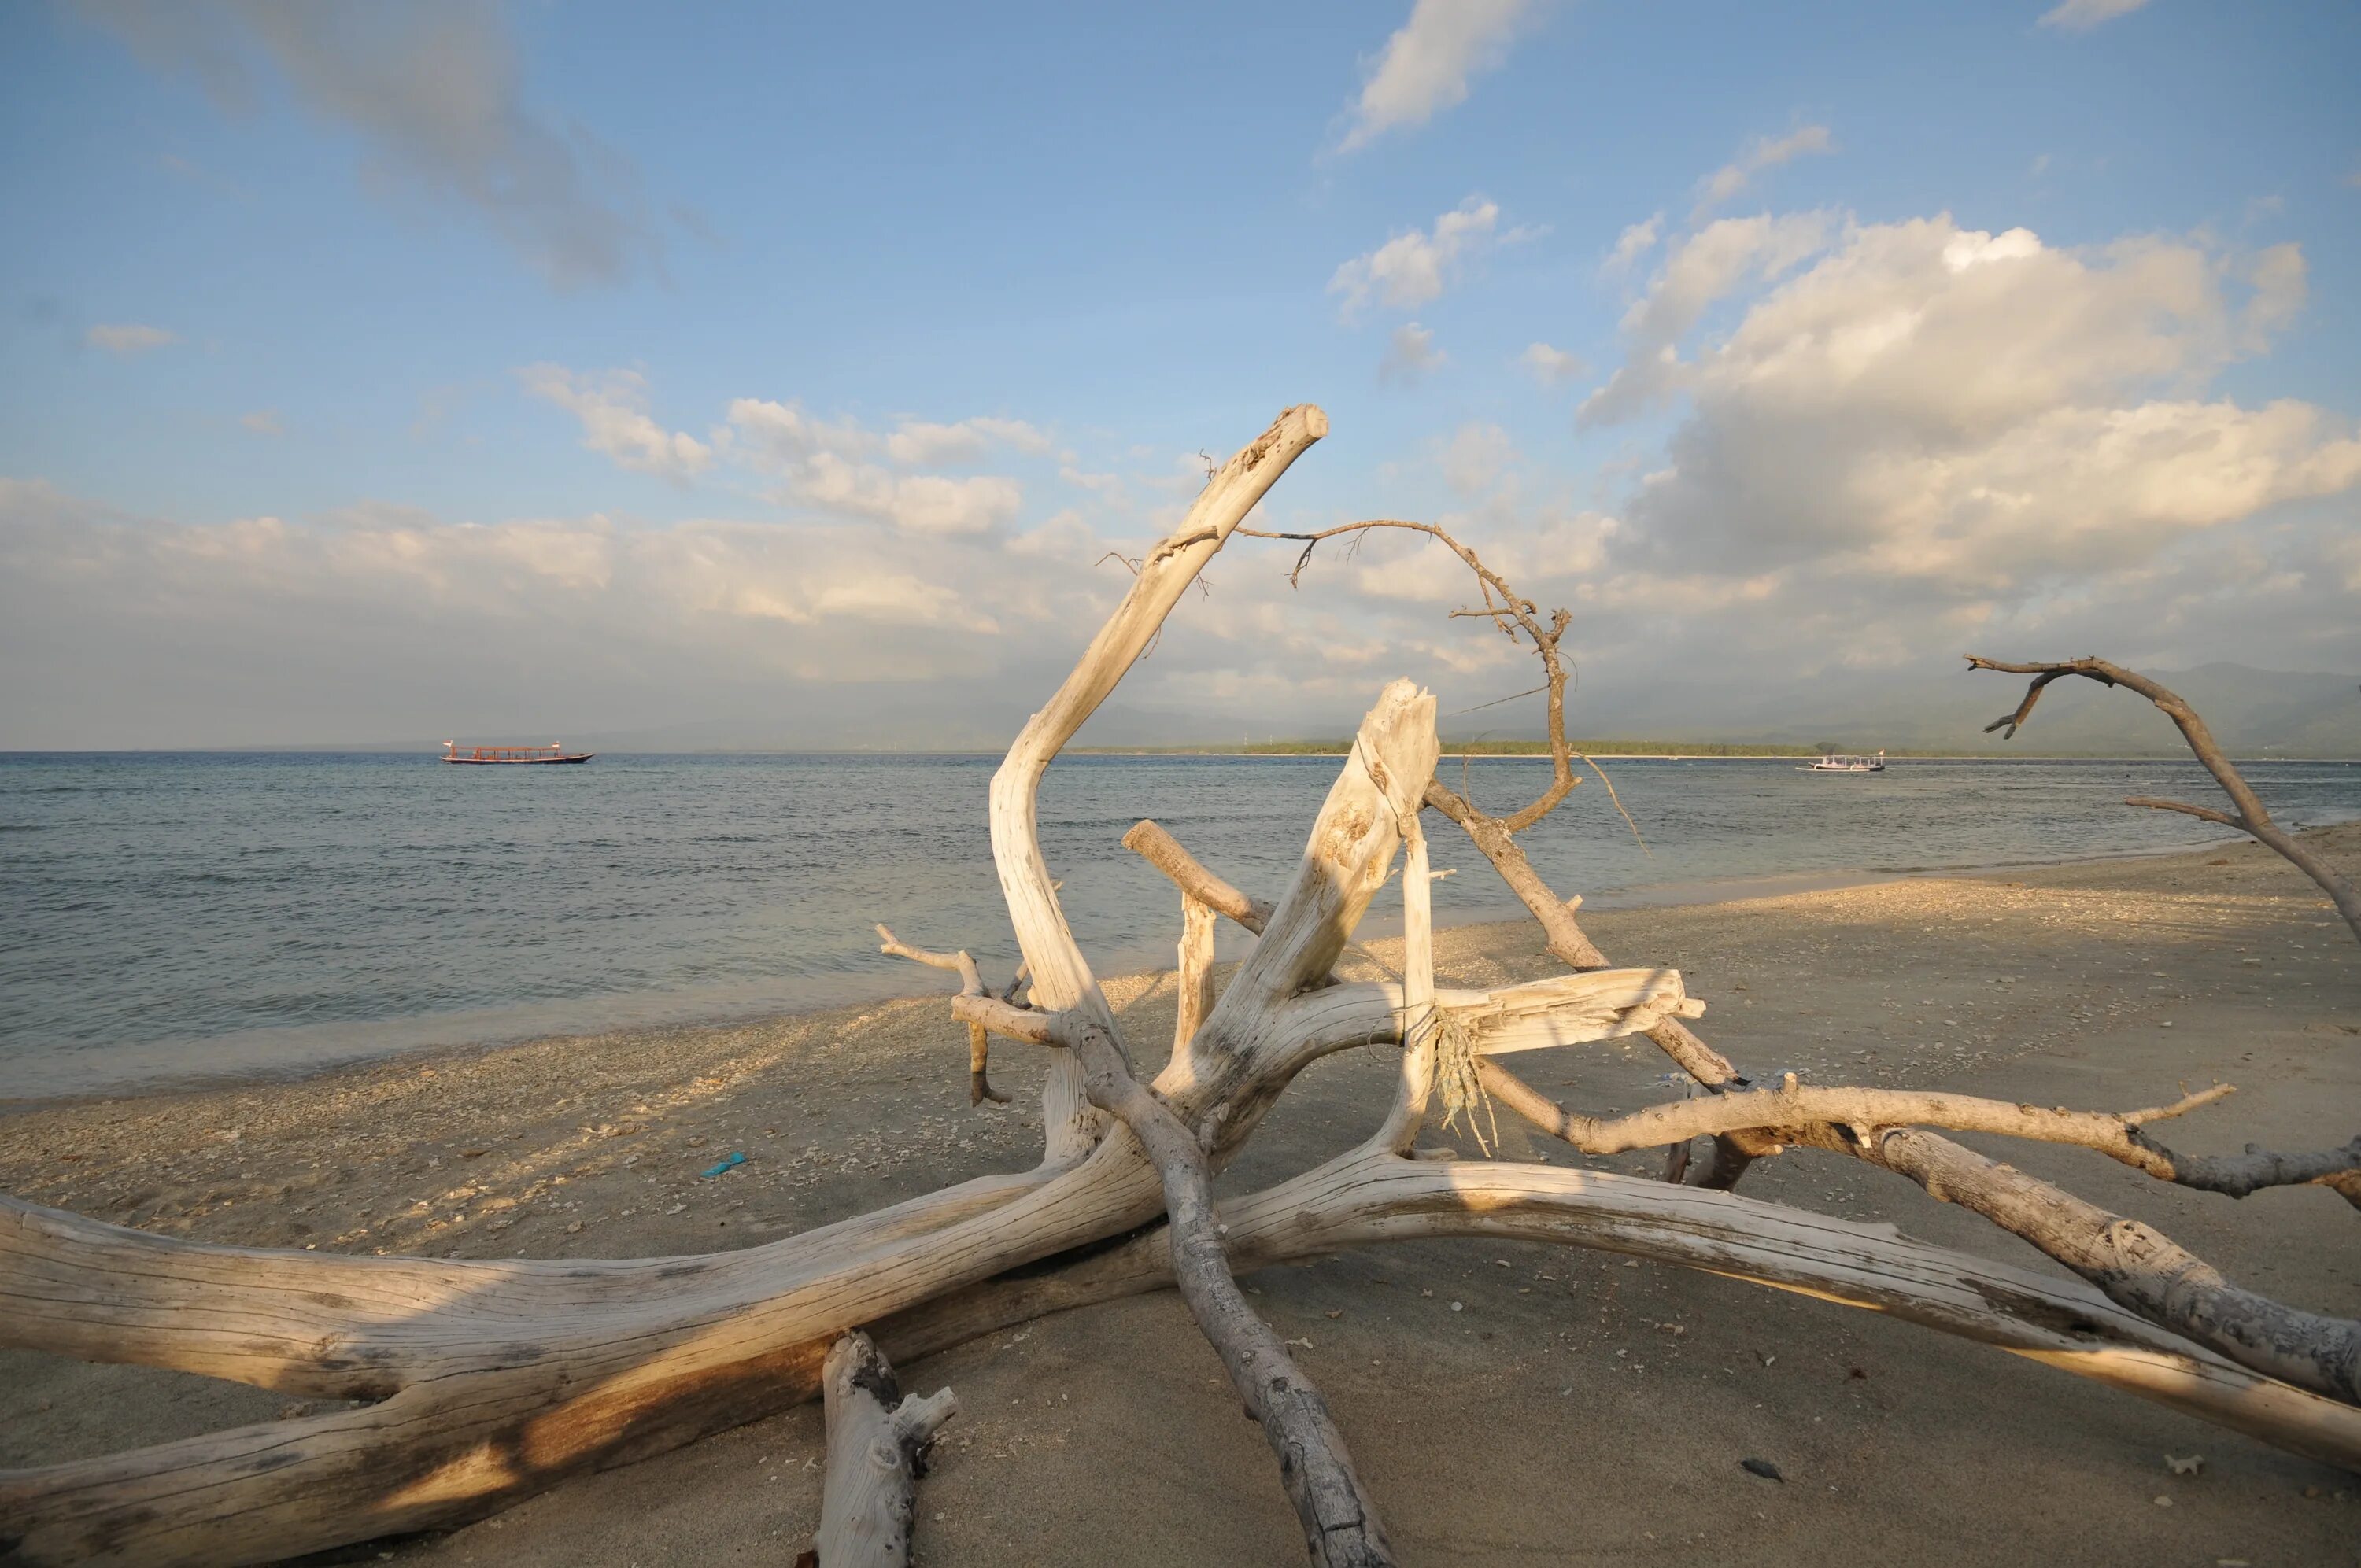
(372, 373)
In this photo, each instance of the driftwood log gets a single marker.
(478, 1384)
(877, 1443)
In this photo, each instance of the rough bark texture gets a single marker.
(2136, 1266)
(1340, 1523)
(877, 1452)
(1193, 979)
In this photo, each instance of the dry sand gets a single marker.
(1577, 1409)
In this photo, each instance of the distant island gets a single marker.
(1609, 748)
(1486, 749)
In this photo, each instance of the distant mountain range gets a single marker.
(2254, 712)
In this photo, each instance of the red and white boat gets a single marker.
(478, 756)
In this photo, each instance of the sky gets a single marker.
(800, 377)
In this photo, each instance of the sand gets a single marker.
(1576, 1408)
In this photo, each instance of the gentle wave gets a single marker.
(161, 915)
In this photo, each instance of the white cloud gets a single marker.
(263, 421)
(412, 624)
(434, 94)
(830, 467)
(1477, 456)
(128, 338)
(1409, 354)
(783, 431)
(2280, 279)
(923, 445)
(1699, 272)
(1759, 154)
(1410, 270)
(1551, 366)
(1426, 63)
(2082, 16)
(1634, 242)
(1974, 413)
(919, 503)
(613, 408)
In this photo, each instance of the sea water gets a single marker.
(171, 916)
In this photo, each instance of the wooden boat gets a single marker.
(1836, 762)
(485, 755)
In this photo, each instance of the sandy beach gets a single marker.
(1508, 1403)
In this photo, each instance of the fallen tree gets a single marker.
(480, 1383)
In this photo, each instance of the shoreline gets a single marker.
(424, 1037)
(2099, 985)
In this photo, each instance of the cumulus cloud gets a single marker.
(1963, 416)
(1409, 354)
(1475, 458)
(796, 631)
(1699, 271)
(919, 503)
(613, 408)
(1426, 64)
(146, 626)
(1761, 153)
(1412, 270)
(1634, 242)
(924, 445)
(1551, 366)
(2082, 16)
(434, 92)
(124, 339)
(850, 471)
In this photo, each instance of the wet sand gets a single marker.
(1577, 1408)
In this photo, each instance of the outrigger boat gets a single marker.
(1836, 762)
(484, 755)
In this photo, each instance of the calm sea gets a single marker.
(170, 915)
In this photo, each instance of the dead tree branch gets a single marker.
(979, 1041)
(2249, 816)
(1869, 1112)
(2134, 1265)
(1340, 1523)
(877, 1443)
(1163, 851)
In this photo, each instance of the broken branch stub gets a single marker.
(877, 1443)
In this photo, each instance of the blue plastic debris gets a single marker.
(735, 1158)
